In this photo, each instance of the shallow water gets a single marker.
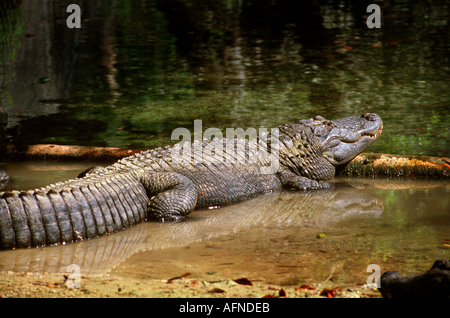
(285, 238)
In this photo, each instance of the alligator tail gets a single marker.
(75, 210)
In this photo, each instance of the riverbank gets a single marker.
(47, 285)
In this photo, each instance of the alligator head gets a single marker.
(343, 139)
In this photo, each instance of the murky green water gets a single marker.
(287, 238)
(138, 69)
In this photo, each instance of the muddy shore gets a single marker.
(29, 285)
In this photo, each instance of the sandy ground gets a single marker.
(29, 285)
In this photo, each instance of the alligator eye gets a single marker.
(329, 124)
(319, 118)
(320, 131)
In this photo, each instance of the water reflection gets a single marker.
(317, 210)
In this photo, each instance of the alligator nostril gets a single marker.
(369, 116)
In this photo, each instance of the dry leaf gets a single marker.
(243, 281)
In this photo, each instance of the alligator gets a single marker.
(166, 184)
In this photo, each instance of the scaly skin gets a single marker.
(156, 185)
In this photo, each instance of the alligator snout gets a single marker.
(374, 118)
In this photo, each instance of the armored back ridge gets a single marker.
(167, 184)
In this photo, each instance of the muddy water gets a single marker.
(285, 238)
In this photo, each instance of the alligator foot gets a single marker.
(293, 181)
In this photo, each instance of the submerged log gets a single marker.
(365, 164)
(64, 152)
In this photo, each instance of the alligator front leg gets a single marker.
(291, 180)
(172, 195)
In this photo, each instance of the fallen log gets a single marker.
(64, 152)
(365, 164)
(398, 166)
